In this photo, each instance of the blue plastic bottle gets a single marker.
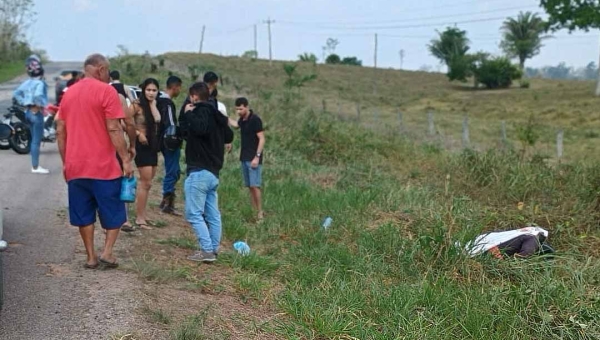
(327, 223)
(128, 188)
(242, 248)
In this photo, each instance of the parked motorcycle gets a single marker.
(18, 131)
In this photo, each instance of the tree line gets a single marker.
(15, 18)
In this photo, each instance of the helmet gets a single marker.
(34, 66)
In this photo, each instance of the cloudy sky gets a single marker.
(71, 29)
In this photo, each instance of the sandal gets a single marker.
(143, 226)
(91, 266)
(107, 264)
(127, 227)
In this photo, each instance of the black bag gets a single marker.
(171, 137)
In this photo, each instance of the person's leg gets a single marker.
(37, 131)
(246, 177)
(196, 189)
(82, 214)
(174, 172)
(212, 214)
(112, 213)
(255, 179)
(143, 189)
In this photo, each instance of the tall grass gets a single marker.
(389, 267)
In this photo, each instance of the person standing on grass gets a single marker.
(206, 131)
(170, 145)
(147, 120)
(87, 144)
(33, 95)
(251, 154)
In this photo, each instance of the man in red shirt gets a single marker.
(89, 134)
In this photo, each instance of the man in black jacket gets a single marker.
(170, 145)
(207, 132)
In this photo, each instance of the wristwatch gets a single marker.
(258, 154)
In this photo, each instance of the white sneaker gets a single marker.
(40, 170)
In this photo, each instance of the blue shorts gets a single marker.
(252, 177)
(88, 196)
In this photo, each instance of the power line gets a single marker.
(343, 25)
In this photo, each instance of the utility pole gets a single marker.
(255, 42)
(269, 22)
(401, 58)
(202, 38)
(375, 50)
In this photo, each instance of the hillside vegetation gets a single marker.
(388, 267)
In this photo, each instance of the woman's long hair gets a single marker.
(151, 127)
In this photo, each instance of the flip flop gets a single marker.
(128, 228)
(144, 226)
(91, 266)
(107, 264)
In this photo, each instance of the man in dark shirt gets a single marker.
(206, 131)
(169, 145)
(253, 143)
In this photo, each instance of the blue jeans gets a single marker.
(202, 202)
(36, 122)
(172, 170)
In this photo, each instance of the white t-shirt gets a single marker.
(222, 108)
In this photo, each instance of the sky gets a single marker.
(69, 30)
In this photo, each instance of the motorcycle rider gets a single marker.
(33, 95)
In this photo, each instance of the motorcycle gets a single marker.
(18, 133)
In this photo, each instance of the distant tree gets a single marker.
(122, 50)
(353, 61)
(497, 72)
(562, 71)
(308, 57)
(522, 37)
(573, 15)
(590, 71)
(15, 18)
(294, 80)
(451, 45)
(251, 54)
(425, 68)
(333, 59)
(331, 45)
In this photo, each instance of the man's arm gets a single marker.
(233, 123)
(261, 141)
(61, 138)
(118, 140)
(129, 122)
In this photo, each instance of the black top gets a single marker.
(208, 132)
(249, 128)
(120, 89)
(524, 245)
(168, 113)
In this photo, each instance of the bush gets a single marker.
(333, 59)
(524, 84)
(353, 61)
(497, 73)
(308, 57)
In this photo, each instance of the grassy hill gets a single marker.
(388, 268)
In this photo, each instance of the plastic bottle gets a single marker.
(327, 222)
(128, 188)
(242, 248)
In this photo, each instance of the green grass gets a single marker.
(181, 242)
(388, 267)
(9, 71)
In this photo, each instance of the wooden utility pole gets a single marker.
(202, 38)
(255, 42)
(269, 22)
(401, 59)
(375, 50)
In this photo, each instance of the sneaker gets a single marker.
(203, 256)
(40, 170)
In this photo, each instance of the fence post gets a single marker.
(559, 144)
(503, 131)
(324, 106)
(400, 123)
(358, 112)
(465, 132)
(431, 124)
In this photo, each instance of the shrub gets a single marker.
(524, 84)
(308, 57)
(497, 73)
(333, 59)
(353, 61)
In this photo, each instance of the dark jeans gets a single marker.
(172, 169)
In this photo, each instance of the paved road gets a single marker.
(47, 293)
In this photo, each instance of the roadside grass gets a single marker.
(9, 71)
(389, 266)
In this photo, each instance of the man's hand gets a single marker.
(127, 168)
(142, 138)
(255, 163)
(189, 107)
(228, 147)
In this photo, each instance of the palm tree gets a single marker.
(451, 44)
(522, 37)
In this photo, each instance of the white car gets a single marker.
(136, 92)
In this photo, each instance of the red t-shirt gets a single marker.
(85, 108)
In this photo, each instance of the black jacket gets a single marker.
(208, 132)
